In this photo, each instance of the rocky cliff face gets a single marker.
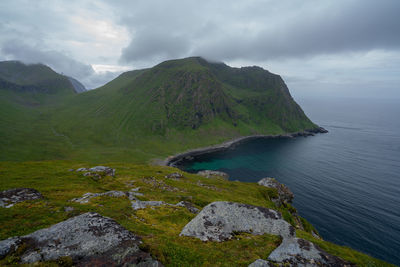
(78, 87)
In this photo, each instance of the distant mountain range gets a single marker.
(142, 114)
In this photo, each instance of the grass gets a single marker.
(159, 227)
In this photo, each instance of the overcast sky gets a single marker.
(322, 48)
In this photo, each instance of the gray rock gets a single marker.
(260, 263)
(138, 204)
(218, 220)
(284, 193)
(88, 239)
(174, 175)
(88, 196)
(213, 174)
(98, 171)
(9, 245)
(104, 170)
(12, 196)
(300, 252)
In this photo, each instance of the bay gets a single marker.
(346, 182)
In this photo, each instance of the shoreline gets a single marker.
(175, 159)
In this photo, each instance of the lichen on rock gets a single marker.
(88, 239)
(300, 252)
(219, 220)
(12, 196)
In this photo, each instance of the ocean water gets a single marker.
(346, 182)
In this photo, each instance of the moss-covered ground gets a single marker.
(159, 227)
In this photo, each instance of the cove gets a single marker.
(346, 182)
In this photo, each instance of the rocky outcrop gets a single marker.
(219, 220)
(88, 196)
(88, 240)
(174, 176)
(213, 174)
(139, 204)
(300, 252)
(97, 172)
(284, 193)
(12, 196)
(136, 204)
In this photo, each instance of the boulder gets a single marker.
(88, 239)
(260, 263)
(219, 220)
(12, 196)
(284, 193)
(300, 252)
(8, 246)
(213, 174)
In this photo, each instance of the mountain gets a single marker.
(27, 93)
(78, 87)
(174, 106)
(33, 78)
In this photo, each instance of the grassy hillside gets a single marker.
(175, 106)
(152, 113)
(159, 227)
(37, 83)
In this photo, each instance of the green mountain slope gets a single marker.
(36, 82)
(27, 93)
(174, 106)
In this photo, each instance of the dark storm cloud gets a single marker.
(262, 30)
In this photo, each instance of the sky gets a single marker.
(320, 47)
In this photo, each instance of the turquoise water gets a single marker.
(346, 182)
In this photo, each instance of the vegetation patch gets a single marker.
(159, 227)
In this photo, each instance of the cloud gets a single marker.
(289, 37)
(152, 46)
(260, 30)
(59, 62)
(54, 59)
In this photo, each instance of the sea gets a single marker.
(346, 182)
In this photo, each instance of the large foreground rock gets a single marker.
(88, 239)
(284, 193)
(300, 252)
(10, 197)
(218, 220)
